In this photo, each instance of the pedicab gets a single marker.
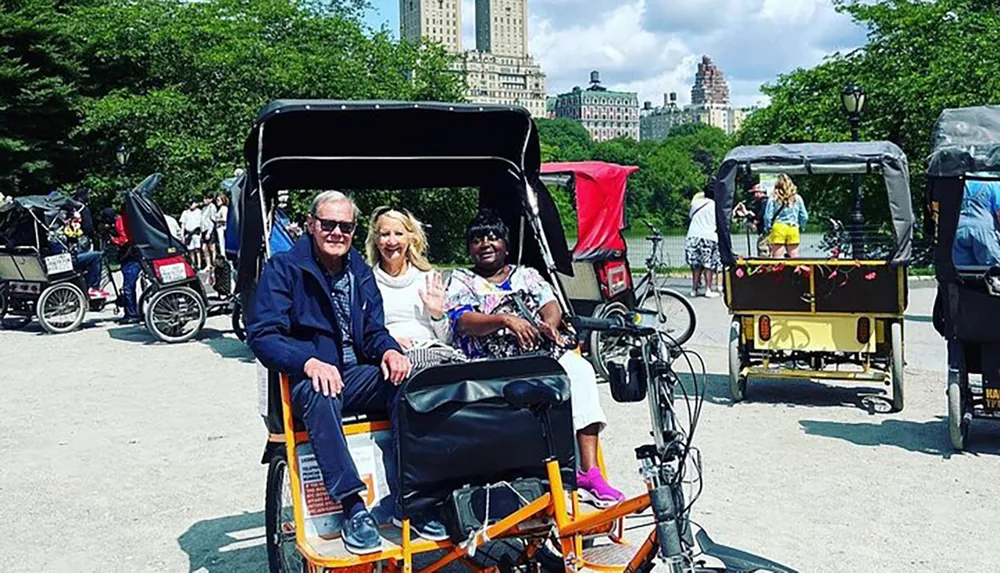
(37, 274)
(174, 301)
(795, 318)
(490, 441)
(966, 155)
(602, 283)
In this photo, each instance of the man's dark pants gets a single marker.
(365, 392)
(131, 269)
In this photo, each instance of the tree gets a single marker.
(565, 139)
(920, 58)
(181, 83)
(38, 97)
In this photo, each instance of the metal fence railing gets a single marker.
(812, 246)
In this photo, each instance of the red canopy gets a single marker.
(600, 206)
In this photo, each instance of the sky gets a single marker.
(653, 46)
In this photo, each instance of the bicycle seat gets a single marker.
(530, 394)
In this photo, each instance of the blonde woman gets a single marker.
(784, 219)
(412, 291)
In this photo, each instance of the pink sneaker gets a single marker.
(98, 293)
(593, 489)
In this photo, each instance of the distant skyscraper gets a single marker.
(710, 85)
(437, 20)
(502, 27)
(500, 70)
(710, 105)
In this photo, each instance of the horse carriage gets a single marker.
(521, 495)
(795, 318)
(602, 284)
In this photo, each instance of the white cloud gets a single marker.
(653, 46)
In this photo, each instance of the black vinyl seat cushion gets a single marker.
(457, 428)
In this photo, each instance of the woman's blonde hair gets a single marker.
(418, 240)
(785, 191)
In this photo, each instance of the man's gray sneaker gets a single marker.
(360, 534)
(427, 527)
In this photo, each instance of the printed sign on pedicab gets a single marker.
(323, 516)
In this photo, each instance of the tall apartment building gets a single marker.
(504, 80)
(656, 122)
(502, 27)
(710, 85)
(436, 20)
(710, 105)
(604, 113)
(500, 70)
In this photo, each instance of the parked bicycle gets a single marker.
(673, 311)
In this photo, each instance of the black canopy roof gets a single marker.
(319, 144)
(965, 140)
(323, 144)
(25, 220)
(821, 158)
(146, 223)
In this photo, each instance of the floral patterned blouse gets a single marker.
(468, 291)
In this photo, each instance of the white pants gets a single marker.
(584, 398)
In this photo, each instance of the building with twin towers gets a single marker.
(499, 70)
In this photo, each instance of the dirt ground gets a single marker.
(121, 454)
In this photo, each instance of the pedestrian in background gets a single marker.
(208, 236)
(191, 226)
(701, 246)
(786, 218)
(754, 215)
(129, 259)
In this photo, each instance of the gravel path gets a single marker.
(124, 455)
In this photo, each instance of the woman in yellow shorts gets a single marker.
(784, 218)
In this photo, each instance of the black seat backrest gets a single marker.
(456, 428)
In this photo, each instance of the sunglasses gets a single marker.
(479, 239)
(329, 225)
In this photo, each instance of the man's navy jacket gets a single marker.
(294, 319)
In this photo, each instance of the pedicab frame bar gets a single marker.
(825, 319)
(965, 146)
(356, 145)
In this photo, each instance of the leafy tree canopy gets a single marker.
(920, 58)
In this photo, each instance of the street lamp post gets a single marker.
(853, 100)
(121, 155)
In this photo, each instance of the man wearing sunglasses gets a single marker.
(319, 318)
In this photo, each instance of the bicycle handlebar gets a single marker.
(620, 325)
(654, 230)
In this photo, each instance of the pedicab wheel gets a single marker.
(958, 427)
(605, 346)
(737, 380)
(61, 308)
(175, 314)
(676, 315)
(282, 555)
(238, 327)
(896, 364)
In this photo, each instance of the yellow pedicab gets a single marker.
(797, 318)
